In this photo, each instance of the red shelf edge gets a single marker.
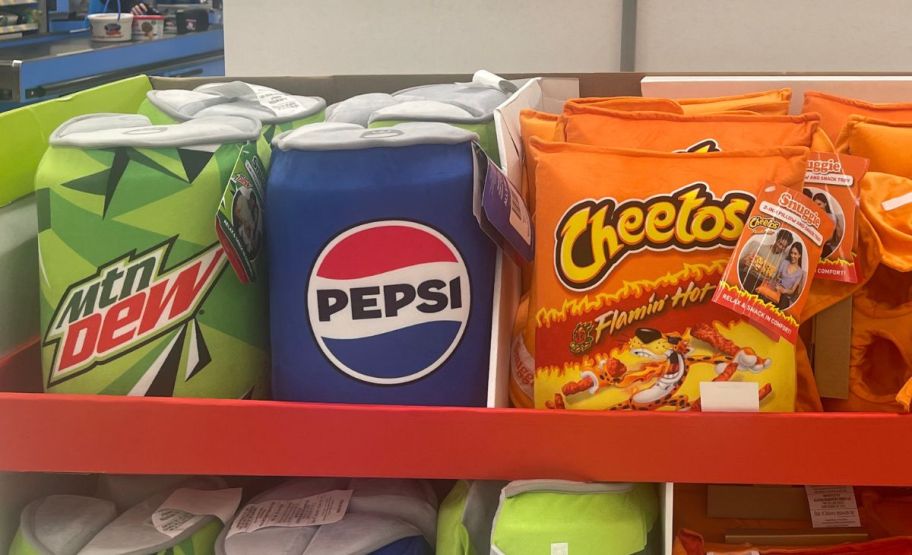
(75, 433)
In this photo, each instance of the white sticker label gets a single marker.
(729, 397)
(897, 202)
(315, 510)
(519, 215)
(560, 549)
(833, 506)
(186, 507)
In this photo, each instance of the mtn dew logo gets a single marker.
(127, 303)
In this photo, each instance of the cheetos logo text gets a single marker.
(595, 235)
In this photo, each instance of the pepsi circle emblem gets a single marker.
(388, 301)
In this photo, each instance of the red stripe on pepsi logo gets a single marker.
(381, 249)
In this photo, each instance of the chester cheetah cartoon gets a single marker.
(666, 362)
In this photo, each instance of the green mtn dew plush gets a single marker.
(162, 525)
(60, 524)
(543, 517)
(138, 296)
(277, 111)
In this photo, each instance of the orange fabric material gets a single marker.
(690, 543)
(580, 276)
(683, 133)
(884, 513)
(835, 110)
(821, 142)
(774, 102)
(628, 104)
(880, 367)
(521, 373)
(885, 144)
(892, 223)
(825, 292)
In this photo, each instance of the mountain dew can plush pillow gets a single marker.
(374, 250)
(137, 293)
(465, 518)
(543, 517)
(277, 111)
(60, 524)
(371, 517)
(145, 530)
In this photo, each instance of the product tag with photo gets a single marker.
(832, 182)
(239, 218)
(769, 275)
(500, 209)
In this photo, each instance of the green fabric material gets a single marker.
(601, 523)
(487, 134)
(452, 537)
(26, 130)
(21, 547)
(200, 543)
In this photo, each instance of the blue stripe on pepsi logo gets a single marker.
(395, 354)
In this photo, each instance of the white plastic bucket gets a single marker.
(148, 27)
(111, 27)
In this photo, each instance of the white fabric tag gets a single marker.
(173, 522)
(316, 510)
(281, 104)
(186, 507)
(833, 506)
(560, 549)
(898, 202)
(729, 396)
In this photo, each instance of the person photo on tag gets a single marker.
(247, 221)
(834, 212)
(755, 265)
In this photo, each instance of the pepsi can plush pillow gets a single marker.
(381, 279)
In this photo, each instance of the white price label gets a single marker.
(833, 506)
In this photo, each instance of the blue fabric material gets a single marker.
(313, 196)
(416, 545)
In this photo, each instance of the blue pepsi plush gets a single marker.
(381, 279)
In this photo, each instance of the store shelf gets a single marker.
(24, 27)
(69, 433)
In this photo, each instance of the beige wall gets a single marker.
(774, 35)
(315, 37)
(320, 37)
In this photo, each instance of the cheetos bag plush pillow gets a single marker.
(835, 110)
(627, 104)
(771, 103)
(544, 126)
(683, 133)
(630, 246)
(885, 144)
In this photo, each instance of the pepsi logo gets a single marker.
(388, 301)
